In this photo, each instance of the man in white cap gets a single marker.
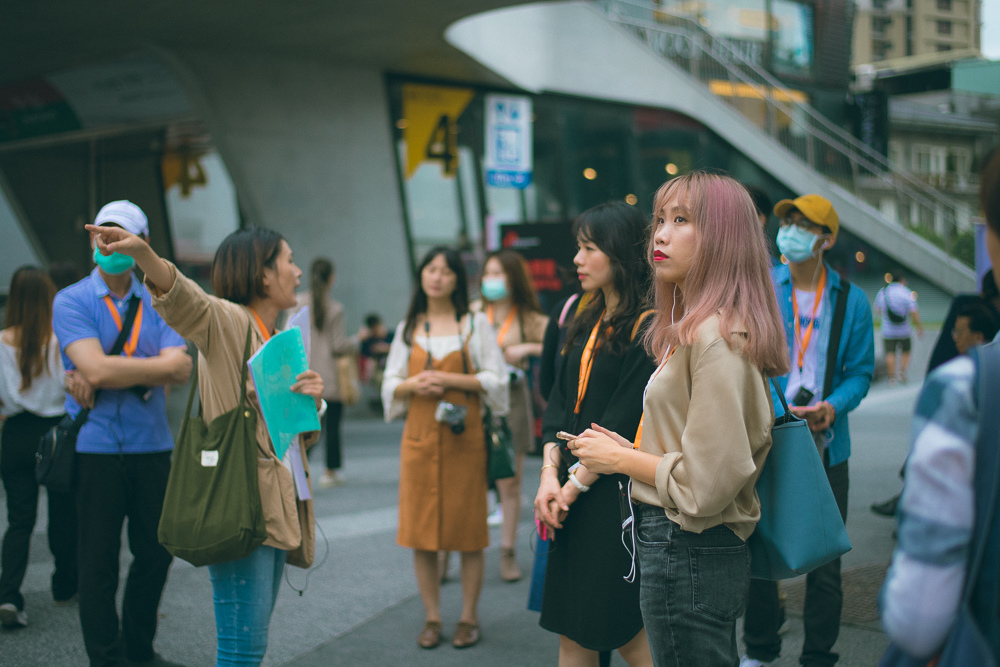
(828, 326)
(124, 446)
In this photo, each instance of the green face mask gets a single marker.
(114, 263)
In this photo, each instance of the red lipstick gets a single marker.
(659, 256)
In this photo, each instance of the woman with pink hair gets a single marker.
(707, 417)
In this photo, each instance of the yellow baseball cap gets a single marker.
(816, 208)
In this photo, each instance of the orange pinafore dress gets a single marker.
(442, 476)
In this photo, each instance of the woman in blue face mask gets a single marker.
(510, 303)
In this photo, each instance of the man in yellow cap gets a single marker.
(831, 345)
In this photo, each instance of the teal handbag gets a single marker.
(800, 527)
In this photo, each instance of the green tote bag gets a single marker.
(212, 511)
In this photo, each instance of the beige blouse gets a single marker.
(708, 415)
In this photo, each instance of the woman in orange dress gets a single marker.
(444, 361)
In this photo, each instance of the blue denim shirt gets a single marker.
(855, 359)
(121, 422)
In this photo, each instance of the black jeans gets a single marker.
(692, 591)
(334, 411)
(112, 487)
(824, 600)
(18, 445)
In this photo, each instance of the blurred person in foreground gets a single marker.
(512, 307)
(443, 364)
(32, 400)
(924, 585)
(125, 446)
(254, 277)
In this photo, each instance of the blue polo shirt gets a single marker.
(121, 422)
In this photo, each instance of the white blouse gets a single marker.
(45, 397)
(487, 363)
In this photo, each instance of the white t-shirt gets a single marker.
(899, 299)
(807, 376)
(45, 397)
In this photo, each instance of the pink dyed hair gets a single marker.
(730, 274)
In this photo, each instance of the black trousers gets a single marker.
(824, 600)
(112, 487)
(18, 445)
(334, 411)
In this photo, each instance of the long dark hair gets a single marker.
(239, 263)
(418, 302)
(319, 281)
(29, 308)
(620, 231)
(522, 294)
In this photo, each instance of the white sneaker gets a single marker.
(10, 617)
(331, 478)
(746, 661)
(495, 519)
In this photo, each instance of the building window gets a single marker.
(944, 5)
(944, 27)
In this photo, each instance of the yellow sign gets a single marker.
(431, 114)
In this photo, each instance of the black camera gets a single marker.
(802, 397)
(452, 415)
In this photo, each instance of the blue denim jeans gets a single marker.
(244, 592)
(693, 588)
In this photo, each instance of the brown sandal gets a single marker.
(466, 634)
(430, 636)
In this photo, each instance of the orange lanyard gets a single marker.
(260, 323)
(638, 431)
(803, 341)
(507, 323)
(133, 339)
(586, 363)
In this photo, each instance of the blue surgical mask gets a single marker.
(494, 289)
(796, 244)
(114, 263)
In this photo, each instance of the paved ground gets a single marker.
(360, 606)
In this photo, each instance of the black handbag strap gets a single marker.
(987, 470)
(116, 349)
(836, 329)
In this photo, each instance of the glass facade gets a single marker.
(585, 152)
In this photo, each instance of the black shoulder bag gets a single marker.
(55, 460)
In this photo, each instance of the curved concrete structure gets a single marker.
(571, 48)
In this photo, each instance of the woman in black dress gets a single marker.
(586, 599)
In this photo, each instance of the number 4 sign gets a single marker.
(508, 141)
(431, 131)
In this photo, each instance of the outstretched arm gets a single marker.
(115, 239)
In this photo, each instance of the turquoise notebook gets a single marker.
(274, 368)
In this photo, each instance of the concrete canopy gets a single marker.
(395, 35)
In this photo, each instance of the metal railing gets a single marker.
(784, 114)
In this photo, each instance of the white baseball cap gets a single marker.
(126, 215)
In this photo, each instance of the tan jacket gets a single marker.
(328, 344)
(219, 328)
(708, 415)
